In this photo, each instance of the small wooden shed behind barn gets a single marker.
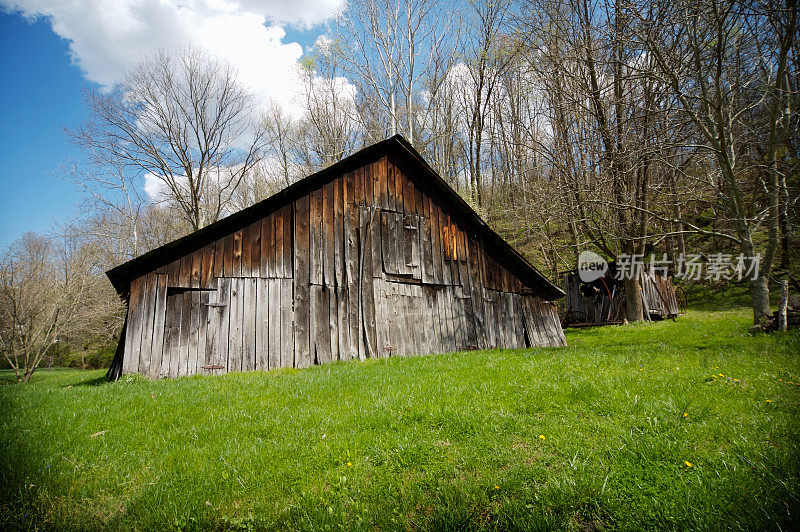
(374, 256)
(602, 301)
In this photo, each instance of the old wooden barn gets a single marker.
(375, 256)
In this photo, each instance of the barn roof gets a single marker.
(427, 178)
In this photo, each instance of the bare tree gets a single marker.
(329, 129)
(488, 52)
(388, 48)
(39, 294)
(725, 60)
(185, 121)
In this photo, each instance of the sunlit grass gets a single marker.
(686, 424)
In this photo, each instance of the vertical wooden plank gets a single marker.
(501, 315)
(196, 267)
(409, 195)
(450, 317)
(148, 311)
(289, 244)
(172, 334)
(287, 324)
(212, 324)
(207, 267)
(262, 325)
(267, 255)
(379, 296)
(236, 314)
(403, 323)
(219, 356)
(557, 338)
(516, 322)
(228, 270)
(436, 249)
(365, 281)
(387, 243)
(316, 243)
(374, 217)
(338, 220)
(426, 256)
(328, 236)
(509, 319)
(280, 243)
(186, 330)
(185, 272)
(462, 304)
(302, 346)
(430, 323)
(380, 184)
(399, 188)
(393, 324)
(255, 249)
(202, 331)
(333, 321)
(351, 271)
(444, 248)
(539, 323)
(401, 242)
(194, 332)
(416, 244)
(274, 333)
(532, 309)
(358, 186)
(219, 258)
(249, 316)
(488, 317)
(476, 293)
(343, 323)
(320, 329)
(157, 347)
(236, 270)
(417, 332)
(391, 199)
(369, 181)
(246, 262)
(133, 334)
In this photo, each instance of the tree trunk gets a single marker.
(634, 309)
(783, 304)
(759, 292)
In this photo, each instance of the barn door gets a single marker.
(185, 325)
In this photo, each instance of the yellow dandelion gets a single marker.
(349, 464)
(721, 375)
(686, 414)
(497, 487)
(769, 400)
(541, 436)
(688, 463)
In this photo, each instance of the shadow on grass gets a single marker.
(94, 381)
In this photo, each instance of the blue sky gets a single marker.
(50, 51)
(40, 93)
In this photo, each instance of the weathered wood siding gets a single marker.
(368, 265)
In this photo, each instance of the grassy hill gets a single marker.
(691, 424)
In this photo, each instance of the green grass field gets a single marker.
(692, 424)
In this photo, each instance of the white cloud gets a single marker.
(108, 37)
